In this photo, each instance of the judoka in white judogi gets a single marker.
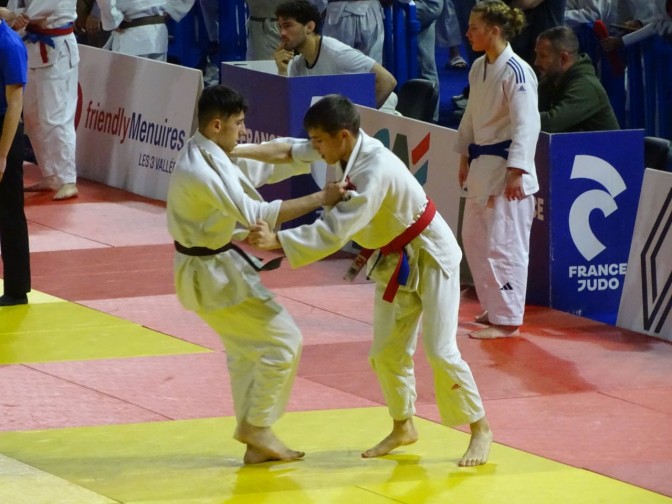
(502, 107)
(149, 40)
(50, 99)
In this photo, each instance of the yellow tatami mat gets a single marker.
(21, 483)
(48, 329)
(197, 462)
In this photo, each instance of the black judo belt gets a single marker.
(205, 252)
(143, 21)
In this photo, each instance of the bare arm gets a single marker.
(14, 96)
(385, 84)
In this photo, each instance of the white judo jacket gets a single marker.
(502, 105)
(386, 199)
(212, 201)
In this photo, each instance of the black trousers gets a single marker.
(13, 225)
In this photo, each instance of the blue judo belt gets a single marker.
(500, 149)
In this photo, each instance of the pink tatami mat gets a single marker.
(169, 386)
(160, 313)
(32, 399)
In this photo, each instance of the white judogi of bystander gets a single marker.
(385, 201)
(263, 34)
(50, 99)
(149, 41)
(358, 24)
(502, 106)
(212, 201)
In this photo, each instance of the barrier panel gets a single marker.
(586, 208)
(646, 304)
(427, 150)
(129, 130)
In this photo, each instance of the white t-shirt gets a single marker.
(333, 58)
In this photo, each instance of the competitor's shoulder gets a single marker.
(518, 69)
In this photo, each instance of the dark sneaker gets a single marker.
(7, 300)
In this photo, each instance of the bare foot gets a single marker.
(66, 191)
(46, 184)
(403, 433)
(264, 443)
(256, 456)
(495, 331)
(479, 446)
(482, 318)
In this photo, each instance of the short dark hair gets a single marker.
(332, 114)
(561, 38)
(301, 10)
(219, 101)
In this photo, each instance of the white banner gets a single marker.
(646, 303)
(133, 117)
(427, 150)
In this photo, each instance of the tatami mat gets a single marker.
(197, 461)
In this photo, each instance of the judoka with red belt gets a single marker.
(416, 269)
(51, 93)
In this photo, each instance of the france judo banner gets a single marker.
(646, 304)
(133, 117)
(590, 186)
(428, 152)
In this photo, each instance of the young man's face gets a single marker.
(332, 148)
(292, 33)
(547, 60)
(230, 131)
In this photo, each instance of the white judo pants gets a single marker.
(263, 38)
(496, 242)
(50, 102)
(394, 342)
(358, 24)
(263, 346)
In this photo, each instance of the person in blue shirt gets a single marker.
(13, 225)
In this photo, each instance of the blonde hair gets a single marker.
(496, 13)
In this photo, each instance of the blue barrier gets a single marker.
(188, 40)
(401, 41)
(642, 98)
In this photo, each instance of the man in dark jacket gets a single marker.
(571, 97)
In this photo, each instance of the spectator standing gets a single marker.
(50, 99)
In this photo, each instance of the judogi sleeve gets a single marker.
(177, 9)
(520, 89)
(110, 15)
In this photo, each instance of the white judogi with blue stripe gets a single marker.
(502, 106)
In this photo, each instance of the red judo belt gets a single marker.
(401, 272)
(45, 37)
